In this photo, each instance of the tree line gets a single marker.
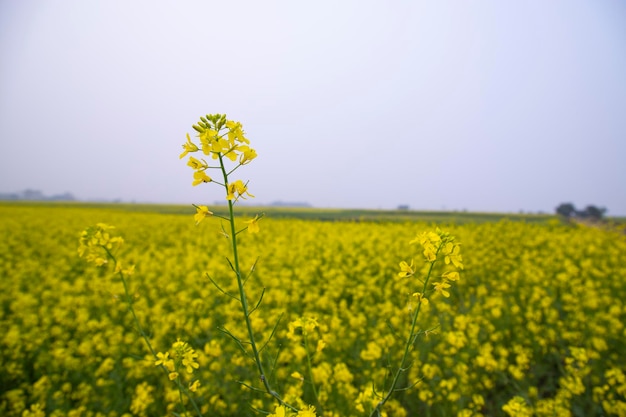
(569, 211)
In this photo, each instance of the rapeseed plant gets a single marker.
(98, 245)
(224, 140)
(432, 244)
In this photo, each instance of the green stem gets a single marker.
(310, 366)
(180, 394)
(243, 298)
(129, 302)
(410, 341)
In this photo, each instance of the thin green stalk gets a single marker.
(310, 367)
(243, 298)
(129, 302)
(410, 341)
(180, 394)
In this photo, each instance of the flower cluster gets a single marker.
(96, 244)
(282, 411)
(434, 243)
(306, 324)
(231, 144)
(223, 140)
(183, 358)
(219, 138)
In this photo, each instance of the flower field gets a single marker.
(533, 326)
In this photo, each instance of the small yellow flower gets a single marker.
(307, 324)
(440, 287)
(310, 324)
(280, 411)
(179, 345)
(406, 270)
(196, 164)
(453, 255)
(193, 387)
(199, 177)
(99, 261)
(420, 298)
(201, 213)
(165, 360)
(424, 238)
(189, 361)
(235, 132)
(309, 412)
(430, 253)
(517, 406)
(239, 188)
(188, 147)
(320, 346)
(126, 271)
(253, 225)
(246, 155)
(451, 276)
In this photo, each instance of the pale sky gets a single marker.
(496, 106)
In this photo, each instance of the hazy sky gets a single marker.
(476, 105)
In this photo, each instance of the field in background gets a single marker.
(309, 213)
(537, 318)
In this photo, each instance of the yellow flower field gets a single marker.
(534, 325)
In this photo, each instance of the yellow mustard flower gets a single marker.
(420, 298)
(193, 387)
(196, 164)
(429, 237)
(235, 132)
(406, 270)
(189, 360)
(188, 147)
(453, 255)
(165, 360)
(280, 411)
(246, 155)
(199, 177)
(207, 137)
(253, 225)
(430, 252)
(201, 213)
(440, 287)
(451, 276)
(307, 324)
(517, 406)
(239, 188)
(126, 271)
(308, 412)
(321, 344)
(230, 153)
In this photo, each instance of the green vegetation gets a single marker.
(308, 213)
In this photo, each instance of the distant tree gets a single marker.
(592, 213)
(566, 210)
